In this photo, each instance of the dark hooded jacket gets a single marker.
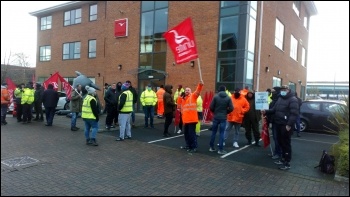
(274, 98)
(285, 110)
(169, 103)
(221, 105)
(252, 114)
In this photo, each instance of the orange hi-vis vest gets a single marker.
(189, 106)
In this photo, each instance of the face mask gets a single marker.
(149, 88)
(283, 93)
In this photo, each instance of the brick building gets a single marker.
(259, 44)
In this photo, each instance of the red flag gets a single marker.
(66, 86)
(181, 41)
(11, 86)
(53, 80)
(177, 118)
(265, 136)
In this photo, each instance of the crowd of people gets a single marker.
(230, 111)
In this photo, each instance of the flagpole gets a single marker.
(199, 68)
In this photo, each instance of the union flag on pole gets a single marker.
(265, 136)
(66, 86)
(53, 80)
(11, 86)
(181, 41)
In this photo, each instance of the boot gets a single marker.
(249, 142)
(88, 142)
(257, 143)
(93, 142)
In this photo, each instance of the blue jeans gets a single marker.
(297, 124)
(237, 127)
(190, 135)
(149, 113)
(3, 112)
(73, 121)
(133, 114)
(90, 124)
(216, 123)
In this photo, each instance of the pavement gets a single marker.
(37, 160)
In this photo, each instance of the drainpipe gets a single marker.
(259, 47)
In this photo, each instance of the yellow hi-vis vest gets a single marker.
(27, 96)
(18, 93)
(86, 109)
(148, 98)
(128, 103)
(199, 104)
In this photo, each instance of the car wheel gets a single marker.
(303, 125)
(66, 106)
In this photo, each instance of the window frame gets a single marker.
(279, 34)
(293, 48)
(90, 52)
(71, 54)
(46, 23)
(73, 19)
(93, 15)
(44, 57)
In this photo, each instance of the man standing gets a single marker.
(160, 103)
(286, 111)
(39, 91)
(134, 97)
(76, 103)
(90, 114)
(251, 120)
(125, 110)
(221, 105)
(27, 101)
(111, 104)
(50, 100)
(19, 108)
(148, 100)
(190, 117)
(5, 101)
(169, 108)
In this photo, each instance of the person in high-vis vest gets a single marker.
(90, 114)
(125, 108)
(160, 102)
(5, 101)
(148, 100)
(269, 96)
(27, 101)
(19, 108)
(190, 117)
(178, 92)
(200, 115)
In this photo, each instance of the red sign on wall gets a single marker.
(121, 28)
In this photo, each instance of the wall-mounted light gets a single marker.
(299, 81)
(267, 69)
(192, 63)
(99, 74)
(278, 72)
(173, 63)
(120, 67)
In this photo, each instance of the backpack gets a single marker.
(326, 164)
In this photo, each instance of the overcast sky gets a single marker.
(328, 57)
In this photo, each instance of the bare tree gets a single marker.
(21, 60)
(17, 59)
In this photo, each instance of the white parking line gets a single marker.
(167, 138)
(232, 152)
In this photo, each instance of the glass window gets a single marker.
(146, 32)
(92, 48)
(303, 57)
(306, 23)
(229, 3)
(251, 38)
(147, 5)
(250, 72)
(254, 4)
(296, 7)
(146, 59)
(292, 86)
(161, 4)
(228, 33)
(160, 27)
(229, 11)
(45, 53)
(314, 106)
(159, 60)
(71, 50)
(93, 12)
(72, 17)
(293, 47)
(46, 23)
(226, 71)
(279, 33)
(276, 82)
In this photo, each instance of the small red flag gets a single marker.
(66, 86)
(53, 80)
(265, 136)
(11, 86)
(181, 41)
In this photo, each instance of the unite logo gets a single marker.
(55, 85)
(183, 43)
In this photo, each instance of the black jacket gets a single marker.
(169, 103)
(221, 105)
(50, 98)
(111, 98)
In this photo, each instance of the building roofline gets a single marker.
(63, 6)
(311, 7)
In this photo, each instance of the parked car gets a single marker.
(313, 98)
(316, 115)
(63, 103)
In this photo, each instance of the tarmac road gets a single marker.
(40, 160)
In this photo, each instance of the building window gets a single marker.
(276, 82)
(293, 48)
(71, 50)
(228, 35)
(279, 34)
(92, 48)
(45, 23)
(306, 23)
(72, 17)
(296, 7)
(45, 53)
(292, 86)
(303, 57)
(93, 12)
